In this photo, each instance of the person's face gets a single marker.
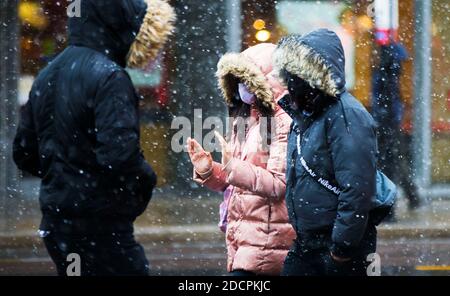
(300, 91)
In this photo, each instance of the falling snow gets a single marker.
(404, 85)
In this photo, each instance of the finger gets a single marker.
(219, 136)
(197, 147)
(192, 150)
(190, 146)
(222, 141)
(198, 156)
(194, 146)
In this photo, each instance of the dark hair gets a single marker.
(238, 108)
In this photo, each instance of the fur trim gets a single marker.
(302, 61)
(233, 67)
(157, 26)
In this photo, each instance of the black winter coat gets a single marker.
(337, 141)
(79, 131)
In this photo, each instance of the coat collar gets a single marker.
(320, 104)
(301, 117)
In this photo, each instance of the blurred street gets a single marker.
(407, 256)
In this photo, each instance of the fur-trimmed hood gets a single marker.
(253, 67)
(129, 32)
(317, 57)
(157, 26)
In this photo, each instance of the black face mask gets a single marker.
(301, 93)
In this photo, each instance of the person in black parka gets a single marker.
(334, 138)
(79, 133)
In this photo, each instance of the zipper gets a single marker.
(291, 199)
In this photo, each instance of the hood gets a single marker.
(120, 28)
(253, 67)
(317, 57)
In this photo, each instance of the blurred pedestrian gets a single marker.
(79, 133)
(258, 233)
(331, 173)
(388, 111)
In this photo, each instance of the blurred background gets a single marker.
(405, 42)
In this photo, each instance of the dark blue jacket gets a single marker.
(338, 142)
(79, 131)
(387, 105)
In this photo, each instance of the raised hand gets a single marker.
(201, 159)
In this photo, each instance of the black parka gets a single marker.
(337, 141)
(79, 131)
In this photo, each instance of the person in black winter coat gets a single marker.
(79, 133)
(332, 141)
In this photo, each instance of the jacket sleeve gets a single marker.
(269, 182)
(117, 125)
(25, 146)
(353, 147)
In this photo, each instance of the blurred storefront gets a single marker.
(441, 92)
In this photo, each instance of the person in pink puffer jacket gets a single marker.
(258, 233)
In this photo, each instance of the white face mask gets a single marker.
(246, 96)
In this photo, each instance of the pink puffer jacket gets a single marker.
(258, 234)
